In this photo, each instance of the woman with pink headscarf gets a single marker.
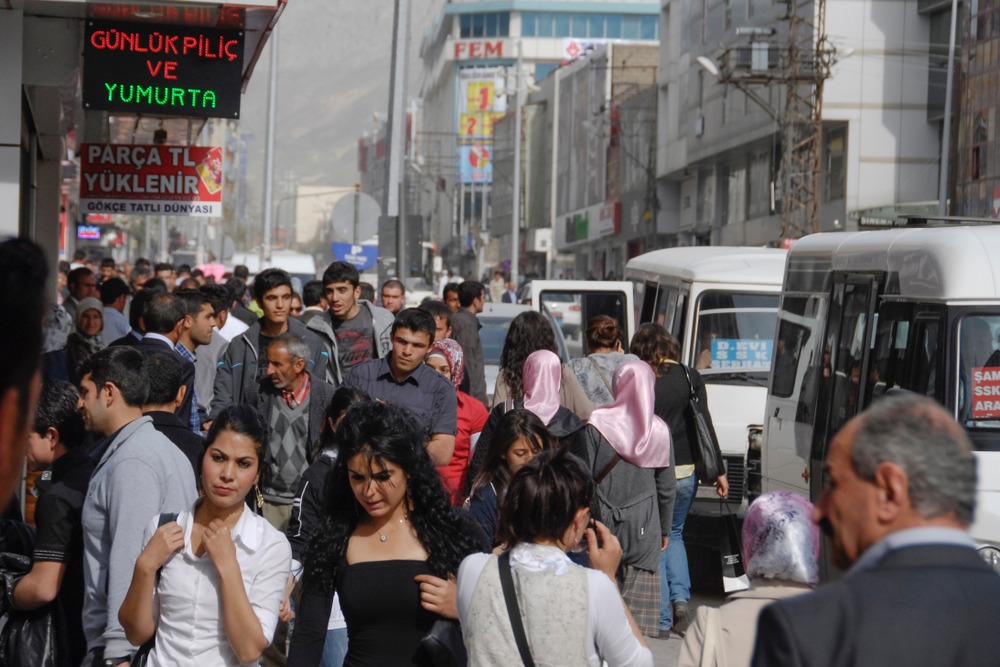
(542, 378)
(627, 449)
(446, 357)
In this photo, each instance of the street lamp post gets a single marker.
(516, 215)
(265, 242)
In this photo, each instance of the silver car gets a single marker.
(496, 319)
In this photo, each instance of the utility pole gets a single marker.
(946, 129)
(164, 250)
(515, 234)
(393, 196)
(272, 103)
(802, 65)
(147, 241)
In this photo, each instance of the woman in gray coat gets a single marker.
(627, 450)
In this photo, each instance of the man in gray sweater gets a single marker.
(139, 474)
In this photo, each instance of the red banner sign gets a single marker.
(151, 180)
(985, 393)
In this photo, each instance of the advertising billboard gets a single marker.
(163, 70)
(151, 180)
(479, 108)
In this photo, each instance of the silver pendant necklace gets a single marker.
(383, 538)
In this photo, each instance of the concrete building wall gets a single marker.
(11, 27)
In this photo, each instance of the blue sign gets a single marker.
(361, 256)
(749, 353)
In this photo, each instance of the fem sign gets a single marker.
(151, 180)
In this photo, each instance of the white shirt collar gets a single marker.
(156, 336)
(538, 557)
(245, 531)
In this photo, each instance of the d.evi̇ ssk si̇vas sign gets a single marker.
(162, 70)
(138, 179)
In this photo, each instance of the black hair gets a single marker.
(416, 320)
(655, 345)
(197, 272)
(219, 296)
(142, 262)
(242, 419)
(450, 287)
(108, 261)
(437, 309)
(74, 276)
(269, 279)
(112, 289)
(155, 285)
(123, 367)
(23, 271)
(312, 293)
(543, 497)
(528, 332)
(367, 292)
(137, 307)
(162, 266)
(513, 426)
(63, 266)
(193, 300)
(387, 433)
(57, 409)
(343, 398)
(393, 283)
(163, 313)
(165, 376)
(140, 272)
(79, 254)
(184, 268)
(341, 272)
(469, 291)
(188, 284)
(237, 288)
(242, 272)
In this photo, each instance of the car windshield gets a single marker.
(735, 334)
(979, 372)
(494, 333)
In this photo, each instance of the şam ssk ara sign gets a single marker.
(162, 70)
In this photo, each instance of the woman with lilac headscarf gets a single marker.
(542, 378)
(446, 358)
(780, 552)
(627, 450)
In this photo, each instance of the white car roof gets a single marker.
(712, 264)
(936, 263)
(510, 310)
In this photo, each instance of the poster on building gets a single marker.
(581, 153)
(476, 163)
(479, 108)
(151, 179)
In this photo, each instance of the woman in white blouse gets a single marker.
(571, 615)
(209, 586)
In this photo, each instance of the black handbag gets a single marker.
(444, 645)
(513, 610)
(141, 655)
(708, 463)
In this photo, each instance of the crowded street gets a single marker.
(487, 333)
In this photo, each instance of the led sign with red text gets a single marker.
(162, 70)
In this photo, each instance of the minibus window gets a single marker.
(797, 353)
(886, 368)
(979, 372)
(735, 334)
(572, 310)
(849, 355)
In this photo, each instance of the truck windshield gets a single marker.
(735, 335)
(979, 372)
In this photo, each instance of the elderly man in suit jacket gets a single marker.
(899, 496)
(164, 317)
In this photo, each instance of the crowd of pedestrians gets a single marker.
(326, 482)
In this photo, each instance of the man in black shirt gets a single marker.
(56, 446)
(166, 393)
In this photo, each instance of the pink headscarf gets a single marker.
(452, 353)
(628, 424)
(541, 378)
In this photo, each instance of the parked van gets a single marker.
(916, 308)
(721, 303)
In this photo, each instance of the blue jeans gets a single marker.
(675, 580)
(335, 648)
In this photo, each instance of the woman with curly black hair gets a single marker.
(390, 545)
(530, 332)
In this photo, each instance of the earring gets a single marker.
(260, 498)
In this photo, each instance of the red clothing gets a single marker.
(472, 418)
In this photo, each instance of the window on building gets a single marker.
(614, 26)
(596, 28)
(749, 9)
(648, 27)
(729, 15)
(630, 26)
(528, 21)
(545, 24)
(562, 25)
(835, 153)
(579, 28)
(725, 103)
(493, 24)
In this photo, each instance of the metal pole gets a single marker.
(163, 253)
(946, 130)
(272, 102)
(147, 242)
(395, 142)
(515, 234)
(357, 217)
